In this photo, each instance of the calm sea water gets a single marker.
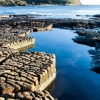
(53, 11)
(74, 80)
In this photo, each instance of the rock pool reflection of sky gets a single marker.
(74, 80)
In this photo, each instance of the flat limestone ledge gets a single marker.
(27, 72)
(26, 48)
(45, 28)
(10, 31)
(20, 31)
(36, 95)
(26, 33)
(16, 42)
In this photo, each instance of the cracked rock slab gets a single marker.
(27, 72)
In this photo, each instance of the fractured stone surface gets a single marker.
(16, 42)
(23, 75)
(36, 95)
(26, 72)
(5, 53)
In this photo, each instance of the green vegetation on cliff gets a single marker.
(53, 1)
(50, 1)
(26, 2)
(13, 2)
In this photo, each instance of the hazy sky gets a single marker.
(90, 2)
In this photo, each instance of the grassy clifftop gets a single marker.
(27, 2)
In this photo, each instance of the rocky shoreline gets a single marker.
(23, 75)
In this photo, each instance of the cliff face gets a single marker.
(76, 2)
(26, 2)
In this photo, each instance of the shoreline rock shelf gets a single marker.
(24, 71)
(16, 42)
(23, 75)
(88, 37)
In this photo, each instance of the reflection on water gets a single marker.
(74, 80)
(95, 62)
(51, 86)
(26, 48)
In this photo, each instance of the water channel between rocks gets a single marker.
(74, 80)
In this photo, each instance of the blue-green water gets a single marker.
(74, 80)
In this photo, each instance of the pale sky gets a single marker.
(90, 2)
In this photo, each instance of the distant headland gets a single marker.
(38, 2)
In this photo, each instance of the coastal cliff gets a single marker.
(37, 2)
